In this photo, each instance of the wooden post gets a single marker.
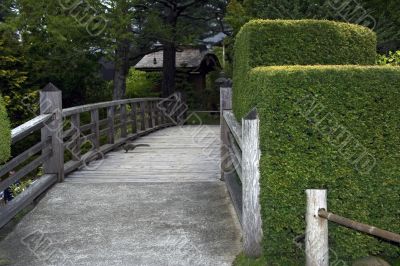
(252, 231)
(317, 250)
(143, 115)
(76, 138)
(111, 126)
(150, 113)
(51, 103)
(124, 129)
(94, 115)
(225, 105)
(133, 117)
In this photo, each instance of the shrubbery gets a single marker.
(5, 133)
(301, 151)
(301, 42)
(302, 147)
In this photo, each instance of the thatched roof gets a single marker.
(186, 58)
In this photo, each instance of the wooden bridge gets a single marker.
(95, 204)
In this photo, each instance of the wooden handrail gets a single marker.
(234, 126)
(29, 127)
(364, 228)
(89, 107)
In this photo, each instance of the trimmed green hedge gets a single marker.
(301, 149)
(5, 133)
(301, 42)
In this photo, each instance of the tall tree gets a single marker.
(182, 23)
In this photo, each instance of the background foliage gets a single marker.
(5, 133)
(392, 59)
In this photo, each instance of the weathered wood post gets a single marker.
(142, 116)
(111, 124)
(251, 154)
(225, 105)
(75, 148)
(94, 115)
(51, 103)
(317, 250)
(133, 117)
(123, 121)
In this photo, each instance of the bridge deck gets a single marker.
(158, 205)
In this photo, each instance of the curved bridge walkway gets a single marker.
(157, 205)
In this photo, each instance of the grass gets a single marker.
(242, 260)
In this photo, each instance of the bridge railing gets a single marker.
(240, 156)
(24, 164)
(95, 129)
(74, 137)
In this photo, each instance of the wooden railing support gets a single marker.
(111, 124)
(316, 241)
(123, 120)
(251, 154)
(51, 103)
(225, 105)
(133, 117)
(94, 119)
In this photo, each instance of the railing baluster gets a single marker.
(143, 115)
(111, 124)
(76, 147)
(124, 131)
(150, 113)
(133, 117)
(94, 114)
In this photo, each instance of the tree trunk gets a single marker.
(121, 69)
(169, 69)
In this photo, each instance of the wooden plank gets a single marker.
(51, 102)
(15, 162)
(25, 170)
(111, 122)
(143, 116)
(252, 231)
(150, 115)
(123, 120)
(94, 116)
(234, 126)
(235, 192)
(317, 250)
(86, 127)
(25, 198)
(225, 104)
(133, 117)
(75, 148)
(29, 127)
(73, 165)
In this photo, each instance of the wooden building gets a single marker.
(194, 62)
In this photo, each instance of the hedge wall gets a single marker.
(301, 42)
(301, 149)
(5, 133)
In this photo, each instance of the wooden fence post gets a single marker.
(316, 241)
(111, 124)
(225, 105)
(51, 103)
(76, 137)
(123, 120)
(94, 115)
(252, 231)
